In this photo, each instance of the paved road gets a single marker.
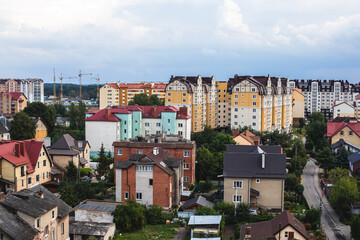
(312, 192)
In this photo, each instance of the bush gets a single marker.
(154, 215)
(312, 216)
(243, 212)
(129, 216)
(227, 210)
(206, 211)
(355, 227)
(262, 216)
(85, 171)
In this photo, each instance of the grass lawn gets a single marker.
(151, 232)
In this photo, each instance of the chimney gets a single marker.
(235, 132)
(263, 160)
(156, 151)
(17, 150)
(153, 110)
(22, 148)
(107, 113)
(41, 194)
(183, 110)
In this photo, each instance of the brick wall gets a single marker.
(161, 194)
(128, 183)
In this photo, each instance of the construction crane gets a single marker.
(97, 88)
(54, 99)
(82, 74)
(61, 85)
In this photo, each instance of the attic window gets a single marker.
(162, 164)
(79, 144)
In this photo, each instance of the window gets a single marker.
(38, 164)
(235, 123)
(44, 163)
(22, 182)
(186, 166)
(254, 109)
(158, 124)
(124, 122)
(146, 132)
(22, 171)
(186, 153)
(38, 178)
(147, 124)
(38, 222)
(254, 117)
(119, 152)
(180, 133)
(29, 180)
(253, 89)
(168, 120)
(47, 230)
(342, 133)
(286, 234)
(62, 229)
(236, 96)
(236, 109)
(254, 124)
(139, 151)
(43, 153)
(43, 175)
(236, 103)
(158, 132)
(169, 94)
(235, 116)
(184, 94)
(257, 180)
(180, 125)
(254, 96)
(53, 214)
(254, 103)
(186, 179)
(126, 195)
(350, 133)
(124, 130)
(47, 174)
(138, 196)
(150, 182)
(237, 198)
(237, 184)
(169, 100)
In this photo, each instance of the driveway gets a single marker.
(330, 223)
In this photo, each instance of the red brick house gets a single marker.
(152, 179)
(173, 144)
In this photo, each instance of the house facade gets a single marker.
(255, 175)
(11, 103)
(33, 88)
(173, 144)
(348, 131)
(125, 122)
(345, 109)
(40, 129)
(199, 95)
(245, 138)
(298, 101)
(23, 164)
(66, 149)
(151, 179)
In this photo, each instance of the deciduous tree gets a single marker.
(22, 127)
(129, 216)
(45, 113)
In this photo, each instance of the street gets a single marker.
(330, 223)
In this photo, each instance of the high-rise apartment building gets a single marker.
(11, 103)
(223, 105)
(199, 95)
(321, 95)
(114, 94)
(264, 103)
(33, 88)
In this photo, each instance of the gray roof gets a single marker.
(66, 145)
(199, 200)
(205, 220)
(250, 148)
(29, 202)
(342, 142)
(106, 206)
(354, 158)
(61, 120)
(90, 228)
(14, 227)
(243, 162)
(3, 129)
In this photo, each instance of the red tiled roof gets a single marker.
(100, 116)
(159, 86)
(357, 97)
(32, 149)
(335, 127)
(113, 85)
(15, 95)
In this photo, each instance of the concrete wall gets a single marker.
(142, 186)
(93, 216)
(344, 110)
(118, 185)
(97, 133)
(64, 236)
(168, 121)
(289, 229)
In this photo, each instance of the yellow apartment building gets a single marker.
(23, 164)
(12, 102)
(114, 94)
(298, 107)
(223, 105)
(199, 95)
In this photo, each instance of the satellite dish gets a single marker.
(102, 178)
(287, 171)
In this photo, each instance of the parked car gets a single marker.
(253, 212)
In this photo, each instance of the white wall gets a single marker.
(142, 186)
(118, 189)
(245, 117)
(97, 132)
(152, 125)
(93, 216)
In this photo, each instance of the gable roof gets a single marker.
(268, 229)
(198, 200)
(66, 145)
(249, 136)
(205, 220)
(334, 127)
(354, 158)
(245, 161)
(29, 201)
(16, 95)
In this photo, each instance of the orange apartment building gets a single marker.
(11, 103)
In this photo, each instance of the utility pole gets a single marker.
(54, 99)
(81, 74)
(61, 85)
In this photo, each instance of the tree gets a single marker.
(325, 158)
(337, 173)
(243, 212)
(22, 127)
(103, 167)
(141, 99)
(206, 211)
(317, 116)
(156, 101)
(77, 116)
(129, 216)
(277, 138)
(355, 227)
(343, 193)
(291, 181)
(316, 129)
(312, 216)
(227, 210)
(60, 110)
(207, 166)
(154, 215)
(45, 113)
(71, 172)
(341, 158)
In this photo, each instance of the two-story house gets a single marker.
(151, 179)
(66, 149)
(346, 130)
(255, 175)
(43, 215)
(23, 164)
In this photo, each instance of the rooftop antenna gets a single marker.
(81, 74)
(61, 85)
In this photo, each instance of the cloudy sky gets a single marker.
(142, 40)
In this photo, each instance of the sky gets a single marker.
(142, 40)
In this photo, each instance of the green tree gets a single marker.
(129, 216)
(156, 101)
(343, 193)
(141, 99)
(154, 215)
(227, 210)
(325, 158)
(60, 110)
(206, 211)
(337, 173)
(77, 116)
(313, 216)
(317, 116)
(207, 166)
(243, 212)
(355, 227)
(72, 173)
(45, 113)
(22, 127)
(103, 167)
(316, 129)
(277, 138)
(68, 194)
(341, 158)
(291, 181)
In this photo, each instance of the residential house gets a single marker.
(173, 144)
(62, 121)
(115, 94)
(298, 101)
(354, 164)
(255, 175)
(41, 211)
(321, 95)
(124, 122)
(283, 226)
(4, 132)
(152, 179)
(245, 138)
(66, 149)
(205, 227)
(347, 145)
(190, 206)
(347, 129)
(11, 103)
(33, 88)
(344, 109)
(40, 129)
(93, 218)
(199, 95)
(23, 164)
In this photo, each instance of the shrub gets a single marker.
(312, 216)
(129, 216)
(227, 210)
(154, 215)
(85, 171)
